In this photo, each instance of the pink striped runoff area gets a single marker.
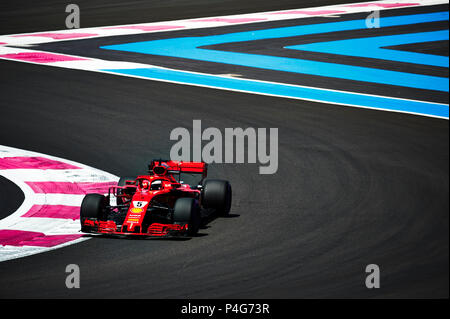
(311, 13)
(229, 20)
(54, 211)
(57, 36)
(146, 27)
(70, 188)
(34, 162)
(40, 57)
(28, 238)
(22, 238)
(382, 5)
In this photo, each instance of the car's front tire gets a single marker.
(93, 206)
(187, 211)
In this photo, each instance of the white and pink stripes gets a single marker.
(49, 216)
(84, 33)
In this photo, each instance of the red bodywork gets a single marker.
(141, 201)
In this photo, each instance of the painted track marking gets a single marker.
(190, 48)
(49, 216)
(131, 69)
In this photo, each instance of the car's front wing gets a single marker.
(154, 230)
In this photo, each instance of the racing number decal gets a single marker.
(139, 204)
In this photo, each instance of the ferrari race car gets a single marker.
(156, 204)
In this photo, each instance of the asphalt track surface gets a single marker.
(354, 187)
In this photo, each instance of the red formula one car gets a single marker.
(156, 204)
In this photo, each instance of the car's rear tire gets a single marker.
(217, 194)
(93, 206)
(187, 211)
(122, 182)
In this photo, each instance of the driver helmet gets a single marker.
(145, 184)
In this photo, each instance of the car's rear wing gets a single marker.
(157, 166)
